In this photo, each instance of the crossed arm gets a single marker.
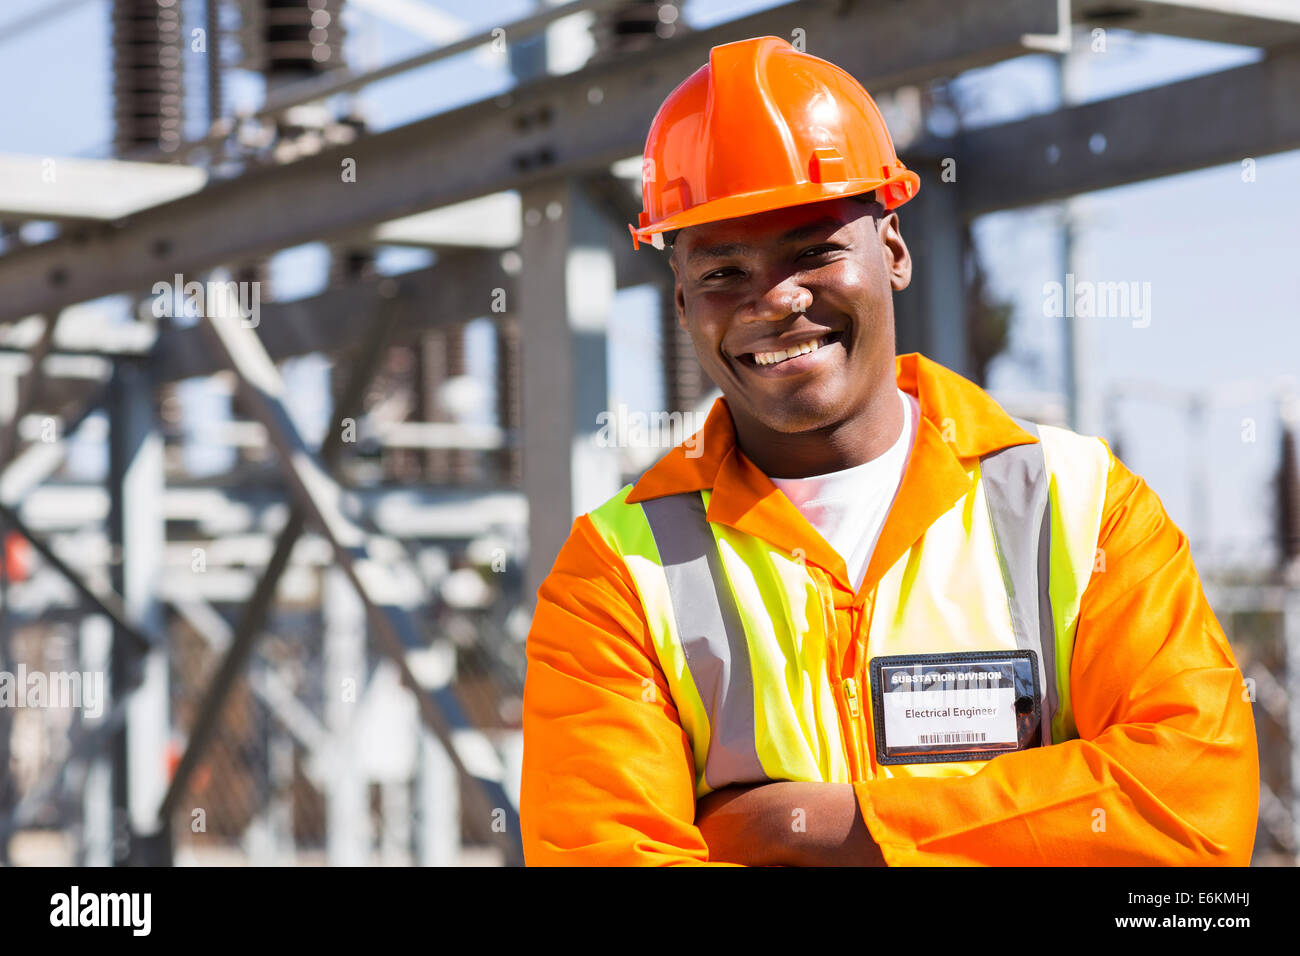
(1165, 770)
(787, 824)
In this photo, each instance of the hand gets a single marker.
(787, 824)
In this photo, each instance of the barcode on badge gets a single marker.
(962, 738)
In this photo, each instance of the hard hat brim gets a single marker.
(905, 184)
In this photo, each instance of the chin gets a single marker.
(794, 421)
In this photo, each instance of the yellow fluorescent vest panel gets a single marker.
(945, 594)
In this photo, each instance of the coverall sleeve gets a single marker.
(1165, 770)
(608, 775)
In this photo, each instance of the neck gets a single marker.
(864, 436)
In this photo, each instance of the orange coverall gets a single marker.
(1166, 742)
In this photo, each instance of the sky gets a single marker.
(1217, 254)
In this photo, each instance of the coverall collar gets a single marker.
(959, 424)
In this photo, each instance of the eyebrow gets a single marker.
(793, 235)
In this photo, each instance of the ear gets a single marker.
(679, 294)
(898, 261)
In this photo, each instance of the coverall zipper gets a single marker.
(847, 690)
(850, 711)
(850, 686)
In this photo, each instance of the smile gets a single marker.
(792, 359)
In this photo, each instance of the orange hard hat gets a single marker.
(763, 126)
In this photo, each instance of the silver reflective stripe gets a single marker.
(1015, 487)
(712, 635)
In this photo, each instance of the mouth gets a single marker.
(799, 358)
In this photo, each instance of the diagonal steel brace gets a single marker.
(253, 614)
(262, 392)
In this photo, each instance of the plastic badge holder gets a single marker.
(951, 707)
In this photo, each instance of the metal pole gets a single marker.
(279, 814)
(137, 534)
(1072, 330)
(95, 847)
(347, 804)
(438, 810)
(566, 293)
(930, 315)
(212, 26)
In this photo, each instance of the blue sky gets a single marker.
(1219, 253)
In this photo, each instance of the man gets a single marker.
(869, 618)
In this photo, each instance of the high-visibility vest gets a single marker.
(740, 626)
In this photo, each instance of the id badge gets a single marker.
(936, 708)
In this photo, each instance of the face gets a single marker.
(823, 275)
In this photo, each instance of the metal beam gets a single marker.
(398, 633)
(66, 187)
(448, 293)
(456, 289)
(1258, 23)
(442, 514)
(108, 602)
(82, 334)
(557, 125)
(1158, 132)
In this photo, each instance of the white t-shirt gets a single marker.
(848, 508)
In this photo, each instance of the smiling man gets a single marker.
(791, 315)
(878, 620)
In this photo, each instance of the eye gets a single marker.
(717, 274)
(819, 250)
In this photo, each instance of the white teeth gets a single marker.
(772, 358)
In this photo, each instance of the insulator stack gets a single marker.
(509, 402)
(635, 26)
(301, 37)
(147, 75)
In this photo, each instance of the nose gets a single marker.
(782, 298)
